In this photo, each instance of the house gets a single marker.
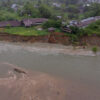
(10, 23)
(97, 17)
(25, 22)
(51, 29)
(73, 23)
(56, 5)
(66, 29)
(59, 17)
(15, 7)
(33, 21)
(85, 22)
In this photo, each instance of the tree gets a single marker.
(45, 11)
(29, 10)
(93, 10)
(52, 23)
(73, 11)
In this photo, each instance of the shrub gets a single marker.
(95, 49)
(52, 23)
(8, 26)
(73, 38)
(77, 31)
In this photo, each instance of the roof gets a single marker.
(33, 21)
(88, 19)
(10, 23)
(51, 29)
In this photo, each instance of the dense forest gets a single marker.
(67, 9)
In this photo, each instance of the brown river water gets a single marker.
(84, 71)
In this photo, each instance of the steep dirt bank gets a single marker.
(90, 40)
(47, 39)
(59, 38)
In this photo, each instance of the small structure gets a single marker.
(97, 17)
(40, 29)
(33, 21)
(85, 22)
(56, 5)
(66, 29)
(59, 17)
(73, 23)
(14, 23)
(51, 29)
(15, 7)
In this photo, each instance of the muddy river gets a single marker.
(79, 69)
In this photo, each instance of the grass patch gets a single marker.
(31, 31)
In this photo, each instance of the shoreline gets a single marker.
(46, 48)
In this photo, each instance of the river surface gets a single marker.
(80, 69)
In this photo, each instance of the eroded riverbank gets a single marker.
(54, 38)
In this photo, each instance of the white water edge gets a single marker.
(46, 48)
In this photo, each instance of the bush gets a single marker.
(77, 31)
(73, 38)
(95, 49)
(52, 23)
(93, 28)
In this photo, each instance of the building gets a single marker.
(73, 23)
(15, 7)
(56, 5)
(51, 29)
(85, 22)
(33, 21)
(10, 23)
(25, 22)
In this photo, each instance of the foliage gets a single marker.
(77, 31)
(92, 10)
(95, 49)
(45, 11)
(93, 28)
(5, 15)
(52, 23)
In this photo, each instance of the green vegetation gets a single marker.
(68, 10)
(95, 49)
(52, 23)
(25, 31)
(93, 28)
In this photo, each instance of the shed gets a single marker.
(33, 21)
(51, 29)
(14, 23)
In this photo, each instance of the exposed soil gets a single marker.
(56, 37)
(51, 38)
